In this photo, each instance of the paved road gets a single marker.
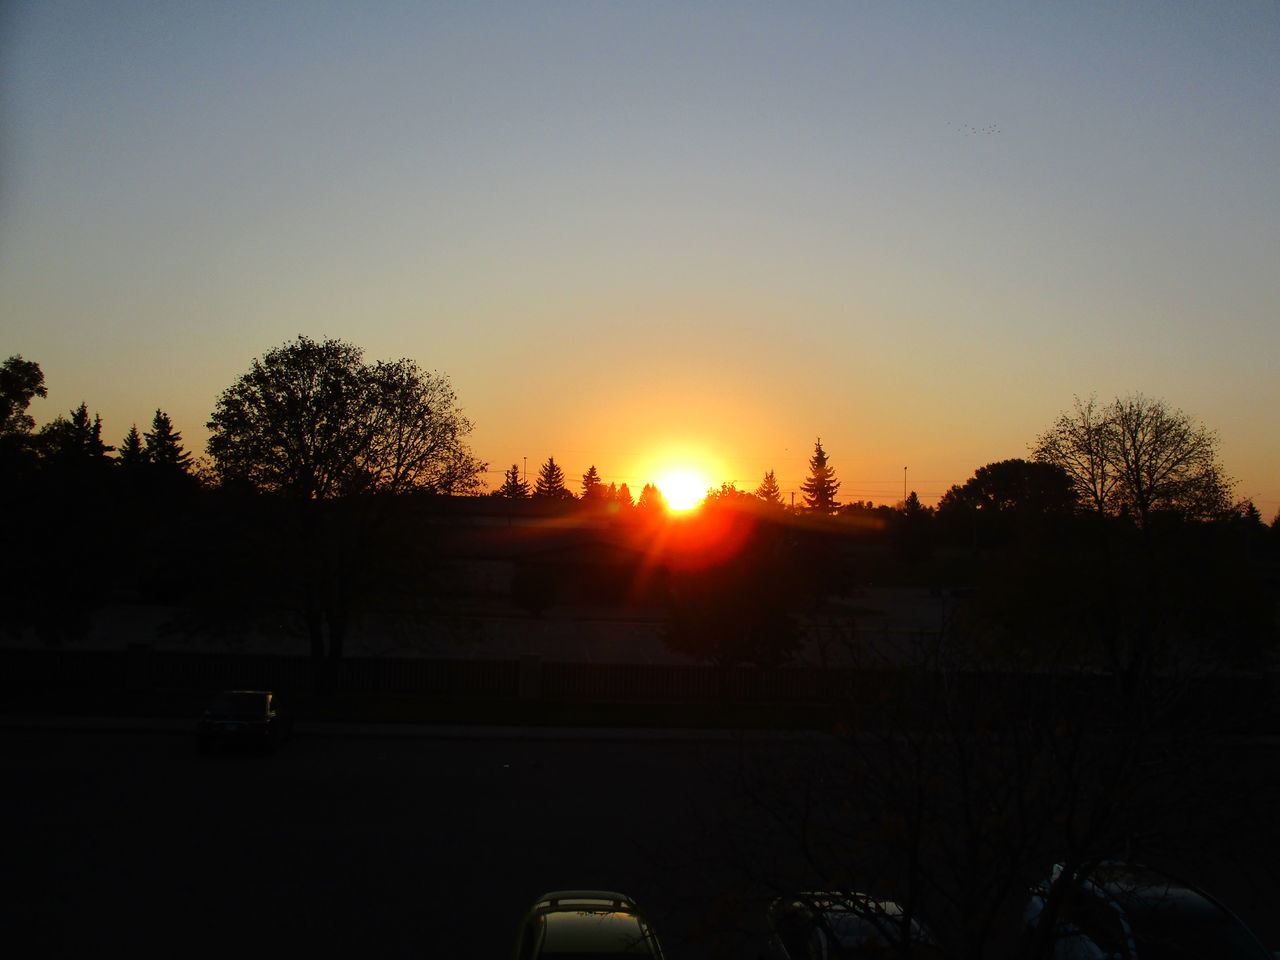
(399, 846)
(349, 844)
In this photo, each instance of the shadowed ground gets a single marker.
(399, 845)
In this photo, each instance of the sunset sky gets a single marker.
(641, 234)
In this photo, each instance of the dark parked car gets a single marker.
(585, 925)
(1134, 913)
(242, 719)
(828, 926)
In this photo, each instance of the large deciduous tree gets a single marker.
(20, 381)
(821, 486)
(315, 424)
(1137, 456)
(1021, 486)
(313, 420)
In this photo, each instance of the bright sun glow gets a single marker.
(683, 488)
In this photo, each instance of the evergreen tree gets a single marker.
(550, 484)
(132, 454)
(651, 499)
(513, 488)
(164, 444)
(769, 491)
(625, 500)
(592, 489)
(611, 493)
(75, 441)
(821, 487)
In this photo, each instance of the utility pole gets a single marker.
(525, 477)
(904, 486)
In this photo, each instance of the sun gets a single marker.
(683, 487)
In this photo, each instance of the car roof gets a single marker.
(1155, 902)
(588, 899)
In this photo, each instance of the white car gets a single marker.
(586, 925)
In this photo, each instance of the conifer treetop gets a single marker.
(821, 487)
(550, 483)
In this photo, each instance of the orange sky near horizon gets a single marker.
(651, 236)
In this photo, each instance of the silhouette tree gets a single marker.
(651, 499)
(769, 491)
(316, 425)
(1138, 457)
(1019, 486)
(1247, 511)
(513, 488)
(728, 494)
(1079, 442)
(625, 499)
(20, 381)
(550, 483)
(164, 445)
(70, 484)
(76, 441)
(821, 486)
(132, 455)
(1006, 499)
(592, 488)
(314, 421)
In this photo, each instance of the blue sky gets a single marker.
(639, 233)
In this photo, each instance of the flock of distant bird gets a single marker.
(989, 130)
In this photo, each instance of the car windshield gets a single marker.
(239, 706)
(588, 933)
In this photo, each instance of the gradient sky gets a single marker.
(633, 233)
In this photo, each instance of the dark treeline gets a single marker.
(324, 470)
(1053, 716)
